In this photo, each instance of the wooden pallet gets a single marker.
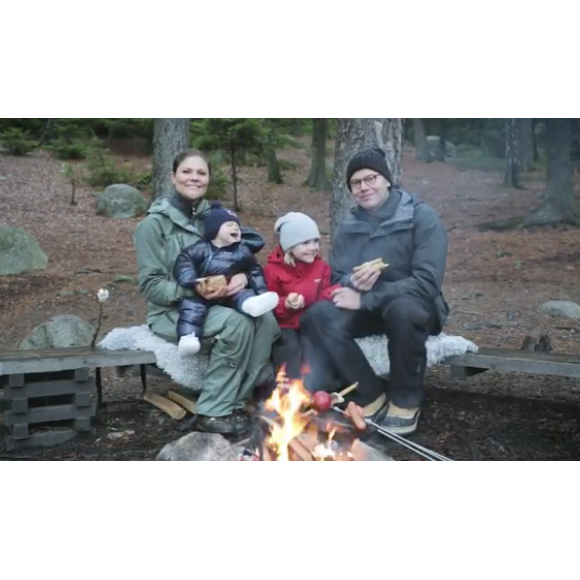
(541, 363)
(46, 409)
(49, 393)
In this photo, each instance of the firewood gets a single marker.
(300, 450)
(183, 401)
(172, 409)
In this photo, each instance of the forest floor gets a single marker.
(494, 284)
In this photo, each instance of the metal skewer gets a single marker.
(415, 447)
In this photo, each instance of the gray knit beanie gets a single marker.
(295, 228)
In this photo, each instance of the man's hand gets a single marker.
(364, 280)
(346, 298)
(237, 283)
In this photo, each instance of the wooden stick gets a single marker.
(337, 399)
(348, 390)
(183, 401)
(172, 409)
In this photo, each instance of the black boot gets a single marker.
(227, 425)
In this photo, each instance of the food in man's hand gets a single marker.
(376, 265)
(211, 283)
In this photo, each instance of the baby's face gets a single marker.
(229, 233)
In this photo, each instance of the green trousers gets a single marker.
(240, 349)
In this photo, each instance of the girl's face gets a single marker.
(191, 179)
(306, 251)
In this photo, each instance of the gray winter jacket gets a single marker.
(409, 236)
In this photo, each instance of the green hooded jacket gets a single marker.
(159, 239)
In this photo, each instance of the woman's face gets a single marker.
(191, 179)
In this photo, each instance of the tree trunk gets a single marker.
(575, 141)
(317, 178)
(535, 141)
(274, 173)
(526, 144)
(559, 200)
(234, 179)
(512, 153)
(421, 147)
(352, 135)
(442, 149)
(170, 137)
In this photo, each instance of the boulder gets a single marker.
(60, 331)
(433, 147)
(19, 252)
(563, 308)
(198, 446)
(121, 201)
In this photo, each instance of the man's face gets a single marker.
(369, 188)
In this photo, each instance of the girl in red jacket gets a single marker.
(300, 277)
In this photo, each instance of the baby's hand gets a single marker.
(294, 301)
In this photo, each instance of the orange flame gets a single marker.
(287, 401)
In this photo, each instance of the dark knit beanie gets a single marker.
(216, 218)
(371, 158)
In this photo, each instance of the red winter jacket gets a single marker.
(310, 280)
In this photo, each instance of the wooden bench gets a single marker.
(520, 361)
(49, 392)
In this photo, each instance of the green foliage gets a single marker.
(17, 141)
(237, 137)
(231, 135)
(68, 150)
(102, 171)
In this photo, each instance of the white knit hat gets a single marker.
(295, 228)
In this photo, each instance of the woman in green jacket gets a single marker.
(240, 345)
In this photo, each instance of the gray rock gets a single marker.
(121, 201)
(563, 308)
(60, 331)
(19, 252)
(373, 454)
(198, 447)
(433, 147)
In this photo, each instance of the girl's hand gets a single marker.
(294, 301)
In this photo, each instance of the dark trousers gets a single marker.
(406, 321)
(289, 351)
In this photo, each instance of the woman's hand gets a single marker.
(217, 294)
(237, 283)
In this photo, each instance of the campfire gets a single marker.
(296, 425)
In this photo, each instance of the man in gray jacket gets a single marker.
(403, 301)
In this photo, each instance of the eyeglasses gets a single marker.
(356, 184)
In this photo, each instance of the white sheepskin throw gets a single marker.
(189, 372)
